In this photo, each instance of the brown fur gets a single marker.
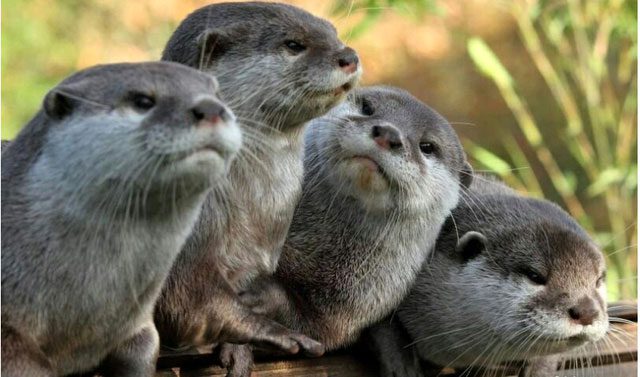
(20, 353)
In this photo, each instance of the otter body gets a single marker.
(278, 67)
(511, 278)
(382, 172)
(99, 193)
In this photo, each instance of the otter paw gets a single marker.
(237, 358)
(282, 343)
(309, 346)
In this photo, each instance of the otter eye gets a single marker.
(366, 109)
(534, 276)
(142, 102)
(294, 46)
(427, 148)
(601, 279)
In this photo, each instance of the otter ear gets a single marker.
(466, 175)
(470, 245)
(59, 103)
(213, 43)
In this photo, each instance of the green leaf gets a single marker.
(631, 183)
(571, 180)
(613, 291)
(490, 160)
(487, 62)
(606, 178)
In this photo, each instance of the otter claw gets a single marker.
(309, 346)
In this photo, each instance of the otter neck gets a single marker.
(345, 215)
(261, 121)
(346, 254)
(259, 198)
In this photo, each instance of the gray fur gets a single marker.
(359, 237)
(98, 197)
(259, 77)
(387, 341)
(274, 92)
(479, 308)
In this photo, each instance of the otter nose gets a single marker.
(348, 60)
(387, 137)
(208, 110)
(585, 312)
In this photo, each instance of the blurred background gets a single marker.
(542, 93)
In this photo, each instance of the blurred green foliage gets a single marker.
(45, 41)
(587, 54)
(373, 10)
(28, 75)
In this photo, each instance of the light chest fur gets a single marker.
(125, 264)
(383, 276)
(356, 267)
(261, 198)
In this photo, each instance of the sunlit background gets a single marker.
(542, 93)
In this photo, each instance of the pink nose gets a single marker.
(348, 67)
(585, 313)
(348, 60)
(387, 137)
(208, 112)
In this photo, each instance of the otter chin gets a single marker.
(365, 175)
(547, 346)
(368, 163)
(197, 163)
(343, 89)
(340, 91)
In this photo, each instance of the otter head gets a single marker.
(127, 134)
(531, 278)
(388, 151)
(277, 64)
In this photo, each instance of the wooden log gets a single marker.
(614, 356)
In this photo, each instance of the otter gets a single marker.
(382, 172)
(278, 67)
(99, 193)
(512, 278)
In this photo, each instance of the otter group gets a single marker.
(139, 211)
